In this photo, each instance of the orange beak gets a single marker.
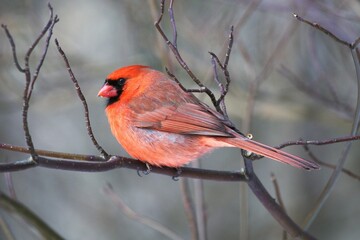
(107, 91)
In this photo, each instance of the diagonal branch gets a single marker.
(120, 203)
(13, 48)
(327, 32)
(177, 55)
(83, 100)
(332, 166)
(189, 207)
(278, 198)
(14, 207)
(270, 204)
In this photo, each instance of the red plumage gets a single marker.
(159, 123)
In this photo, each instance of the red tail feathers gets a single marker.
(270, 152)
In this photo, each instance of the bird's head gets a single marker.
(123, 81)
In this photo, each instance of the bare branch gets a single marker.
(189, 207)
(319, 142)
(223, 90)
(5, 229)
(220, 102)
(10, 185)
(13, 48)
(52, 154)
(29, 82)
(278, 198)
(332, 166)
(47, 42)
(14, 207)
(274, 209)
(83, 100)
(198, 90)
(178, 57)
(117, 200)
(173, 24)
(277, 191)
(229, 48)
(98, 164)
(331, 102)
(324, 30)
(199, 205)
(343, 157)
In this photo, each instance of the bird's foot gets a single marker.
(144, 172)
(177, 174)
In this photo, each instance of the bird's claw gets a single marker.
(141, 173)
(177, 174)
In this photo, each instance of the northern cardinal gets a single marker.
(159, 123)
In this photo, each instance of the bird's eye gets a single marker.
(121, 81)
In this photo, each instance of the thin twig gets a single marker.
(14, 207)
(119, 202)
(189, 207)
(179, 58)
(5, 228)
(332, 166)
(223, 89)
(173, 24)
(10, 185)
(41, 61)
(324, 30)
(229, 48)
(320, 142)
(197, 90)
(278, 198)
(250, 9)
(269, 203)
(83, 100)
(219, 102)
(46, 153)
(277, 191)
(328, 189)
(29, 82)
(13, 48)
(343, 108)
(199, 203)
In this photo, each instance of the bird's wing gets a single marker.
(186, 118)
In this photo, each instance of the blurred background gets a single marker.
(289, 81)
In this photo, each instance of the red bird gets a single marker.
(159, 123)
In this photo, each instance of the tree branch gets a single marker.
(83, 100)
(278, 198)
(29, 82)
(31, 218)
(125, 209)
(177, 55)
(354, 129)
(254, 182)
(270, 204)
(98, 164)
